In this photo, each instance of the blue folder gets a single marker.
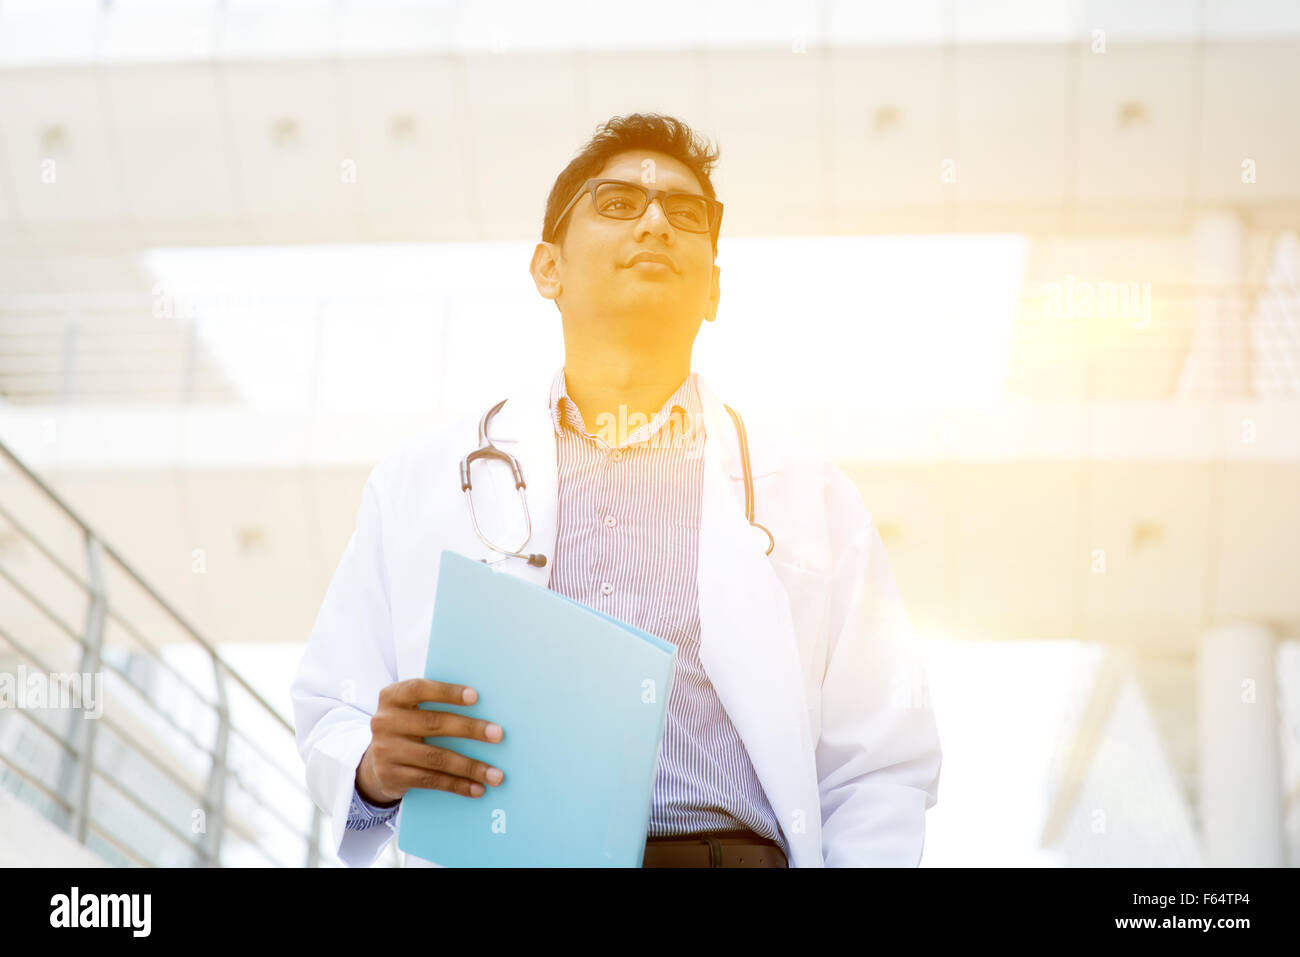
(582, 698)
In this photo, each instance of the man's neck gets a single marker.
(604, 383)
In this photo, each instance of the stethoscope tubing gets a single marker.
(487, 450)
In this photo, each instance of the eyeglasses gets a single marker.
(618, 199)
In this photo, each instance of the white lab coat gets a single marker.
(809, 649)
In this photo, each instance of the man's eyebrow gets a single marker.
(672, 189)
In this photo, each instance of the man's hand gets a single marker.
(398, 759)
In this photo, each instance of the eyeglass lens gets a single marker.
(624, 201)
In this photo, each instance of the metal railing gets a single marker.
(243, 805)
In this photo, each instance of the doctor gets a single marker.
(799, 731)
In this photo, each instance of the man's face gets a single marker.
(600, 286)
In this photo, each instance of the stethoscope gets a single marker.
(487, 450)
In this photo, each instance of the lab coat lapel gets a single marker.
(747, 643)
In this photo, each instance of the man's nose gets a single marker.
(654, 218)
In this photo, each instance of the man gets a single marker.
(798, 730)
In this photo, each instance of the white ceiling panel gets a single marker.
(466, 147)
(1135, 124)
(57, 128)
(887, 136)
(523, 126)
(1009, 133)
(291, 146)
(1245, 87)
(759, 107)
(172, 141)
(408, 140)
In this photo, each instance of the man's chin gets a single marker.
(647, 316)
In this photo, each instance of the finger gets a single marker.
(428, 757)
(406, 777)
(419, 723)
(413, 691)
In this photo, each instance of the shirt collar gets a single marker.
(684, 402)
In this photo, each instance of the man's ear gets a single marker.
(715, 294)
(545, 271)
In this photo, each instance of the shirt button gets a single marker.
(610, 521)
(616, 455)
(606, 588)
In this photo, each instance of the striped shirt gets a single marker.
(627, 544)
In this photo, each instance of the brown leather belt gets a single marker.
(738, 849)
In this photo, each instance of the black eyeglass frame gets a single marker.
(715, 221)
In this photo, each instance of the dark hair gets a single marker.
(643, 131)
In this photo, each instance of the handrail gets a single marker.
(144, 585)
(48, 792)
(130, 683)
(230, 774)
(62, 566)
(77, 766)
(76, 753)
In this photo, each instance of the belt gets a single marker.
(716, 849)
